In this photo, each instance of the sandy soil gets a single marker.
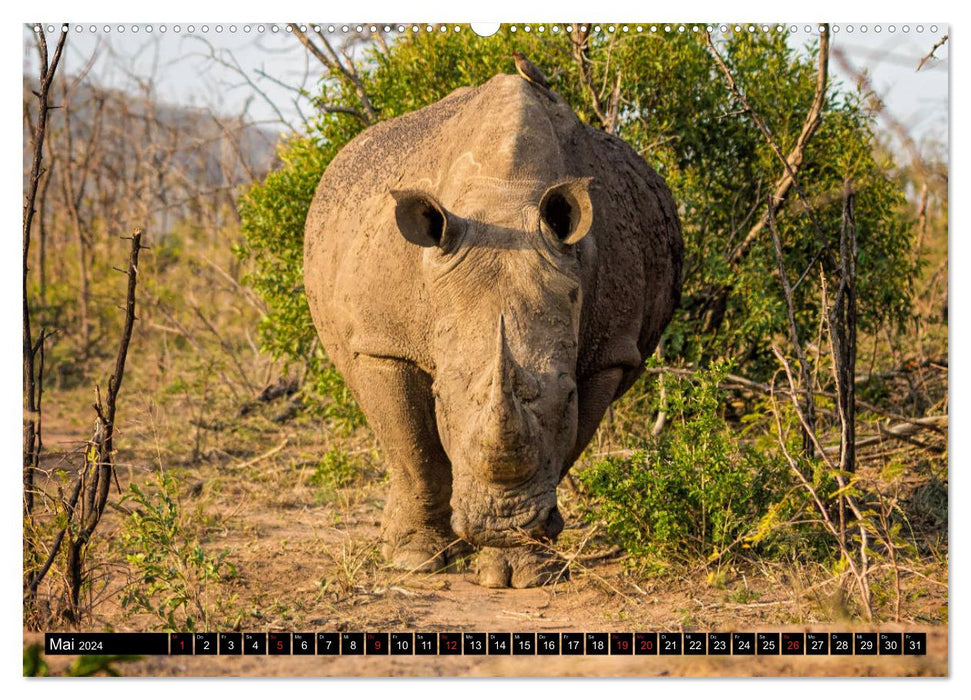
(311, 563)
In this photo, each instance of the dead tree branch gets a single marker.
(606, 114)
(227, 60)
(903, 432)
(32, 383)
(335, 66)
(98, 470)
(79, 168)
(791, 162)
(930, 55)
(898, 128)
(344, 110)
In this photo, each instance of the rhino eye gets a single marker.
(434, 224)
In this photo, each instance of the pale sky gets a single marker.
(225, 67)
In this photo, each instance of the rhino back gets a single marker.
(633, 283)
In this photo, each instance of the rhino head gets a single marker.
(502, 278)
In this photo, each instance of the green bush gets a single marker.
(679, 114)
(711, 487)
(273, 214)
(335, 470)
(172, 573)
(696, 491)
(36, 666)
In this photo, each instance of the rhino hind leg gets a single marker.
(396, 396)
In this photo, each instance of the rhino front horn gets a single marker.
(504, 369)
(506, 429)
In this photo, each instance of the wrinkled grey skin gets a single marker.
(488, 274)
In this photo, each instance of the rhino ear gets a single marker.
(421, 219)
(566, 210)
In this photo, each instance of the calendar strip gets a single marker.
(488, 643)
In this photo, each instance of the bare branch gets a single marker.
(334, 64)
(810, 403)
(579, 38)
(232, 64)
(299, 91)
(793, 161)
(33, 388)
(345, 110)
(100, 459)
(930, 55)
(898, 128)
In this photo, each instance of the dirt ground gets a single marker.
(307, 559)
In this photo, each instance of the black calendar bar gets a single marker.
(97, 643)
(489, 643)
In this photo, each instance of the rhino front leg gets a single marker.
(399, 404)
(520, 567)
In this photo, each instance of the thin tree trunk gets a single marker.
(843, 332)
(74, 196)
(34, 371)
(32, 387)
(804, 370)
(42, 236)
(85, 293)
(99, 468)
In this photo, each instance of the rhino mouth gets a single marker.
(542, 522)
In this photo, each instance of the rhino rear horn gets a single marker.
(566, 209)
(421, 219)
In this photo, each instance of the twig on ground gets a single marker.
(265, 455)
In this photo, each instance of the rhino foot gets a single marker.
(426, 553)
(519, 567)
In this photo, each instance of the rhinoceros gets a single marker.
(488, 274)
